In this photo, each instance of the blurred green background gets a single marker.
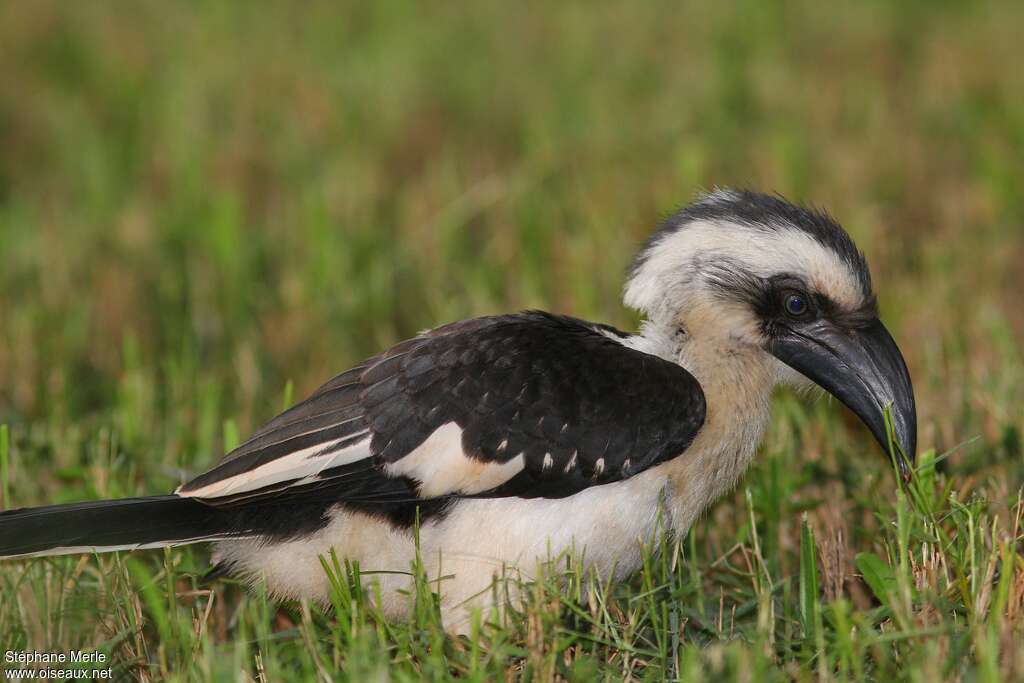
(207, 208)
(243, 194)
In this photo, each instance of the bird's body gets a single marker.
(511, 440)
(470, 540)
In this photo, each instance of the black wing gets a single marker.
(532, 405)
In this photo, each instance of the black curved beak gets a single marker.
(865, 370)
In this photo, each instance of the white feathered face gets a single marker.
(747, 257)
(751, 271)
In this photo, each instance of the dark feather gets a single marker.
(552, 388)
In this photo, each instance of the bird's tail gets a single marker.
(108, 525)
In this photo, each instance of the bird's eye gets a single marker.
(796, 305)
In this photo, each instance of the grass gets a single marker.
(206, 209)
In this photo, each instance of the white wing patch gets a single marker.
(302, 465)
(441, 466)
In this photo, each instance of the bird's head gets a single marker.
(752, 273)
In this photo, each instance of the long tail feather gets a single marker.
(107, 525)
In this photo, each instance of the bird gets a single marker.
(485, 447)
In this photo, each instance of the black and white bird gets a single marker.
(514, 438)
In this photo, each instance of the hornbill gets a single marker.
(509, 439)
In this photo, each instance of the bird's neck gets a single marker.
(737, 380)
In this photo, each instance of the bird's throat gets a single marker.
(737, 381)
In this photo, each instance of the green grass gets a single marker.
(206, 209)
